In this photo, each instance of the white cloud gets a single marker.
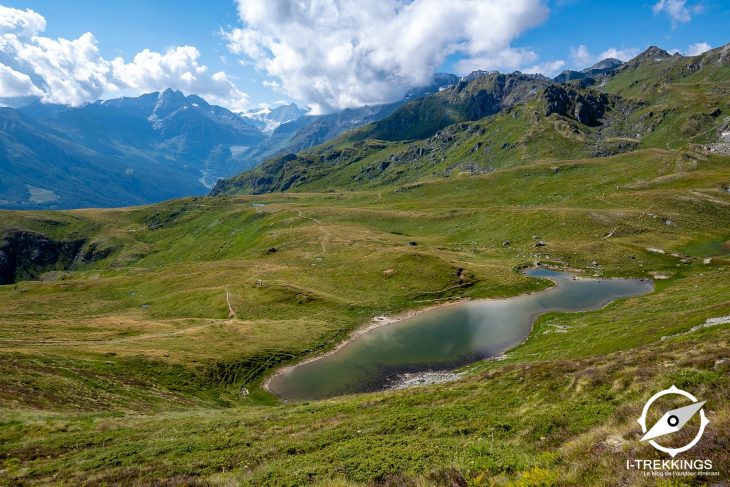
(549, 68)
(582, 57)
(342, 53)
(620, 54)
(677, 10)
(698, 48)
(74, 72)
(14, 84)
(21, 22)
(178, 68)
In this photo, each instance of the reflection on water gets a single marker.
(445, 338)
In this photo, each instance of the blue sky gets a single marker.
(544, 35)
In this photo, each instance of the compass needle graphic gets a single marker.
(673, 421)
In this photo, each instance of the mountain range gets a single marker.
(161, 145)
(490, 120)
(118, 152)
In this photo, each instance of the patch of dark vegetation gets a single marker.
(24, 255)
(395, 480)
(448, 477)
(243, 371)
(167, 216)
(105, 382)
(95, 252)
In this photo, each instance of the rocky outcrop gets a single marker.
(651, 54)
(25, 255)
(585, 106)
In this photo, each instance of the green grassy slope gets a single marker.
(128, 370)
(144, 366)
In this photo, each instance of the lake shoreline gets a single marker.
(384, 320)
(374, 323)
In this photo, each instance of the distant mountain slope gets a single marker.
(43, 168)
(118, 152)
(491, 120)
(475, 96)
(311, 130)
(155, 146)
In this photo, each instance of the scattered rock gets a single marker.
(556, 328)
(506, 243)
(707, 261)
(406, 380)
(659, 276)
(615, 442)
(462, 276)
(271, 250)
(709, 322)
(244, 392)
(540, 243)
(654, 250)
(389, 272)
(413, 243)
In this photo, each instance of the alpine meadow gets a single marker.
(338, 295)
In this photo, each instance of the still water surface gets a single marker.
(445, 338)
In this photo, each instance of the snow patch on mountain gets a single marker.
(268, 119)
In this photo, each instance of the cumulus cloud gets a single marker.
(73, 72)
(21, 22)
(677, 10)
(180, 69)
(620, 54)
(15, 84)
(549, 68)
(582, 57)
(343, 53)
(698, 48)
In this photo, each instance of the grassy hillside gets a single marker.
(129, 369)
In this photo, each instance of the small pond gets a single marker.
(444, 338)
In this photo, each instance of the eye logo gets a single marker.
(673, 421)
